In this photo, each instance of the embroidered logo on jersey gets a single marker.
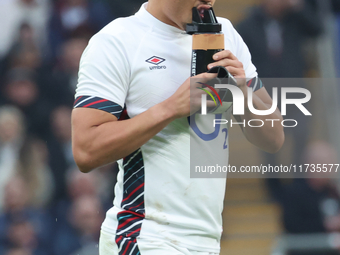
(156, 61)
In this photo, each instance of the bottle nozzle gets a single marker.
(206, 24)
(209, 16)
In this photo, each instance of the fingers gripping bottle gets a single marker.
(207, 39)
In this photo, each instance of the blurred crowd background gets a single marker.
(47, 206)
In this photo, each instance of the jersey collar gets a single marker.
(156, 24)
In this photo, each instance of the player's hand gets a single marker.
(187, 98)
(232, 64)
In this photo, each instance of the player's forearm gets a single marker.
(270, 136)
(110, 141)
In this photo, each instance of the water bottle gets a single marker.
(207, 39)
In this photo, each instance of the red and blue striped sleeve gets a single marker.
(98, 103)
(255, 83)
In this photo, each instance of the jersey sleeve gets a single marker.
(103, 75)
(241, 51)
(243, 54)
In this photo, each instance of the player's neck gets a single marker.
(156, 9)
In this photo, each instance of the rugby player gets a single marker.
(132, 103)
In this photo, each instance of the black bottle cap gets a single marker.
(208, 24)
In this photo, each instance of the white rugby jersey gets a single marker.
(131, 65)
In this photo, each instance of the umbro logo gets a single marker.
(155, 61)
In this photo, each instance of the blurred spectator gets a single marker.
(107, 177)
(33, 167)
(21, 226)
(312, 205)
(16, 196)
(78, 185)
(18, 251)
(60, 149)
(24, 156)
(80, 235)
(24, 52)
(21, 234)
(275, 33)
(22, 91)
(13, 13)
(25, 55)
(77, 18)
(65, 75)
(11, 137)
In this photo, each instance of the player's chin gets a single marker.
(187, 17)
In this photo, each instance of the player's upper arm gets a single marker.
(264, 96)
(235, 43)
(84, 120)
(101, 91)
(253, 81)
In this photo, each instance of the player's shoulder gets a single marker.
(226, 24)
(121, 26)
(119, 30)
(228, 29)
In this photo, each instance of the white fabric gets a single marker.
(108, 246)
(177, 208)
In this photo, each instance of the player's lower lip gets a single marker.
(202, 7)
